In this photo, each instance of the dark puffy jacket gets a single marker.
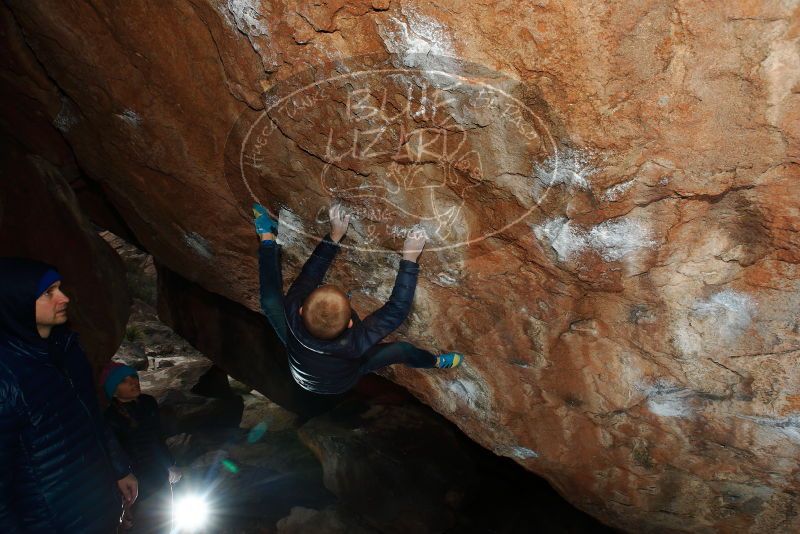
(137, 426)
(332, 366)
(58, 461)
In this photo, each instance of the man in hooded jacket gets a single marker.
(61, 469)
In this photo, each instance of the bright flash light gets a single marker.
(190, 513)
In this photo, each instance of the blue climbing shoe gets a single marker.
(449, 360)
(263, 222)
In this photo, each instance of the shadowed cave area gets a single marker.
(609, 198)
(372, 460)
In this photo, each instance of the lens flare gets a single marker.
(231, 466)
(190, 513)
(257, 432)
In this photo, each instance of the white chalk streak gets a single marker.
(570, 167)
(730, 310)
(667, 400)
(613, 239)
(614, 193)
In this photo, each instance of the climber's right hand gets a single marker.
(339, 222)
(415, 242)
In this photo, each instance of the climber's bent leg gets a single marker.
(271, 280)
(384, 354)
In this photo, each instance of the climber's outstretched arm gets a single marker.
(391, 315)
(316, 266)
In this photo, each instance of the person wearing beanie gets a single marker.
(112, 374)
(134, 419)
(61, 469)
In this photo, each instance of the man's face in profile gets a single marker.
(51, 306)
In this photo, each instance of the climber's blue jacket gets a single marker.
(332, 366)
(58, 462)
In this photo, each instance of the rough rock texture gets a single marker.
(627, 182)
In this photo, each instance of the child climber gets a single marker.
(134, 419)
(329, 347)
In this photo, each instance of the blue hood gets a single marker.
(19, 280)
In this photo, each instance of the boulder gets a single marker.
(129, 356)
(214, 383)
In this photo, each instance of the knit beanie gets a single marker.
(48, 279)
(114, 373)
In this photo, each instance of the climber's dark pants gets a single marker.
(379, 356)
(384, 354)
(271, 281)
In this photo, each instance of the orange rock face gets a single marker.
(612, 192)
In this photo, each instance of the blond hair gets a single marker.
(326, 312)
